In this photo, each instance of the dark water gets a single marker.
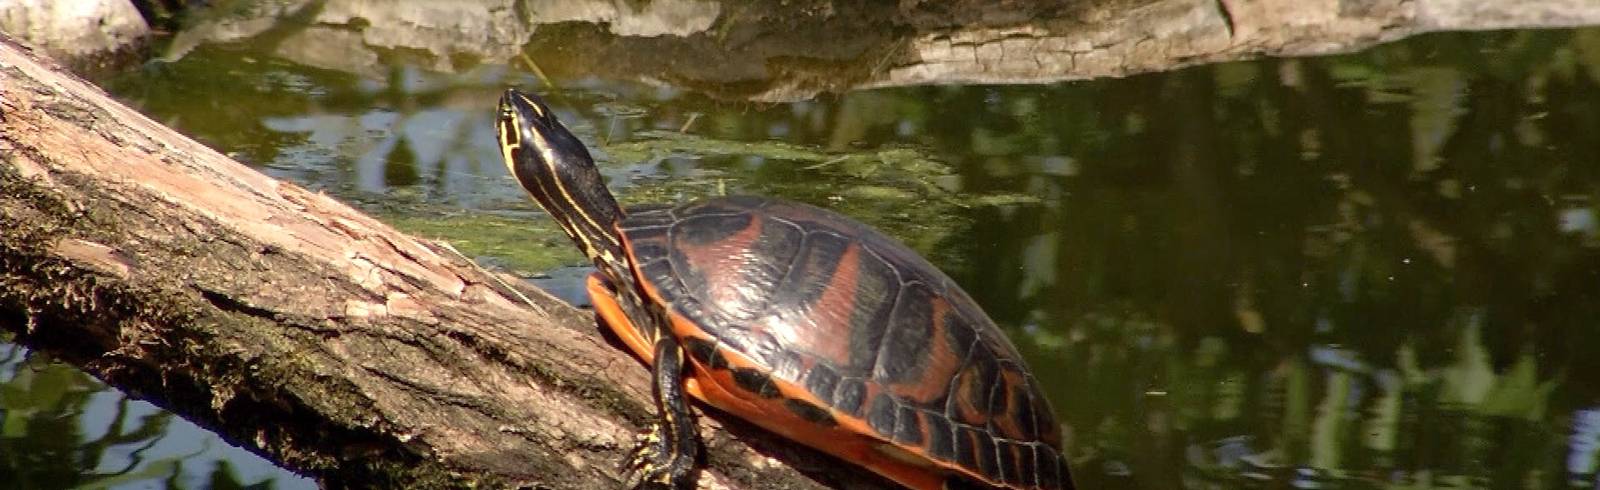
(61, 428)
(1377, 270)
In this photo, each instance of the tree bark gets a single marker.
(797, 50)
(296, 326)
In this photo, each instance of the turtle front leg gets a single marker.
(667, 453)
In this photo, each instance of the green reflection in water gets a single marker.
(1367, 271)
(61, 428)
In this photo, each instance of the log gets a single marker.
(297, 327)
(788, 51)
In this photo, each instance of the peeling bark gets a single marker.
(296, 326)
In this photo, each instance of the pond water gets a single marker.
(1375, 270)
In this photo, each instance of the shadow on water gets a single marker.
(1374, 270)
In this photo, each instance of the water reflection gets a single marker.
(1366, 271)
(60, 428)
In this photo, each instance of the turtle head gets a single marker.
(556, 169)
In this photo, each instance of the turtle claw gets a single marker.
(654, 465)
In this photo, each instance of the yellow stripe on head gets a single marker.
(547, 160)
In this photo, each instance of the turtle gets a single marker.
(800, 320)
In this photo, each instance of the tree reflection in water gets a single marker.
(61, 428)
(1366, 271)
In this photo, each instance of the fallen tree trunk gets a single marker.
(296, 326)
(790, 51)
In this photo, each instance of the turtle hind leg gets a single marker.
(666, 454)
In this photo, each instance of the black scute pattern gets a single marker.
(755, 381)
(845, 387)
(905, 345)
(736, 281)
(648, 243)
(808, 412)
(811, 272)
(882, 414)
(1052, 470)
(959, 333)
(723, 205)
(850, 396)
(956, 482)
(1005, 461)
(877, 286)
(940, 444)
(821, 381)
(654, 269)
(646, 217)
(700, 231)
(1027, 465)
(705, 352)
(986, 454)
(908, 426)
(798, 302)
(982, 366)
(965, 446)
(1026, 420)
(998, 397)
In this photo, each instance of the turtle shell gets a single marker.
(824, 330)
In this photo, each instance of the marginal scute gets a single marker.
(900, 454)
(1027, 465)
(648, 250)
(705, 352)
(1005, 462)
(965, 447)
(1048, 431)
(940, 445)
(657, 271)
(957, 482)
(1049, 474)
(821, 381)
(985, 450)
(808, 412)
(881, 415)
(755, 382)
(646, 216)
(850, 396)
(908, 426)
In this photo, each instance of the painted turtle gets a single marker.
(800, 320)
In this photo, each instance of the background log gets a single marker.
(300, 328)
